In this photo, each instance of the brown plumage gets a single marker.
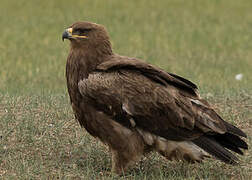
(135, 108)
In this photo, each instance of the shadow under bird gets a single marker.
(135, 107)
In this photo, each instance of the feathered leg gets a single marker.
(128, 150)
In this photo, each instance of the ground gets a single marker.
(208, 42)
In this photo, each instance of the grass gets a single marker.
(208, 42)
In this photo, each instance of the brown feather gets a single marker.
(135, 107)
(154, 73)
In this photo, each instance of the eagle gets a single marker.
(134, 107)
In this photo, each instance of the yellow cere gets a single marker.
(70, 30)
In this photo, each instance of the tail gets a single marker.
(217, 144)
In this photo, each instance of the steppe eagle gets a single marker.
(135, 107)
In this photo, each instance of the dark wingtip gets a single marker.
(234, 130)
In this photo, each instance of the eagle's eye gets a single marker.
(82, 31)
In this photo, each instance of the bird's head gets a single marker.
(88, 35)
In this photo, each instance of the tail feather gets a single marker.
(215, 149)
(224, 135)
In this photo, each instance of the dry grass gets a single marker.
(40, 139)
(208, 42)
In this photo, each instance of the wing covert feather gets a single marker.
(124, 94)
(156, 74)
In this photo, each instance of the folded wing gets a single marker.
(137, 94)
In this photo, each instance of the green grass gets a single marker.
(208, 42)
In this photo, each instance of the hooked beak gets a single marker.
(68, 34)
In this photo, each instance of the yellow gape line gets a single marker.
(77, 36)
